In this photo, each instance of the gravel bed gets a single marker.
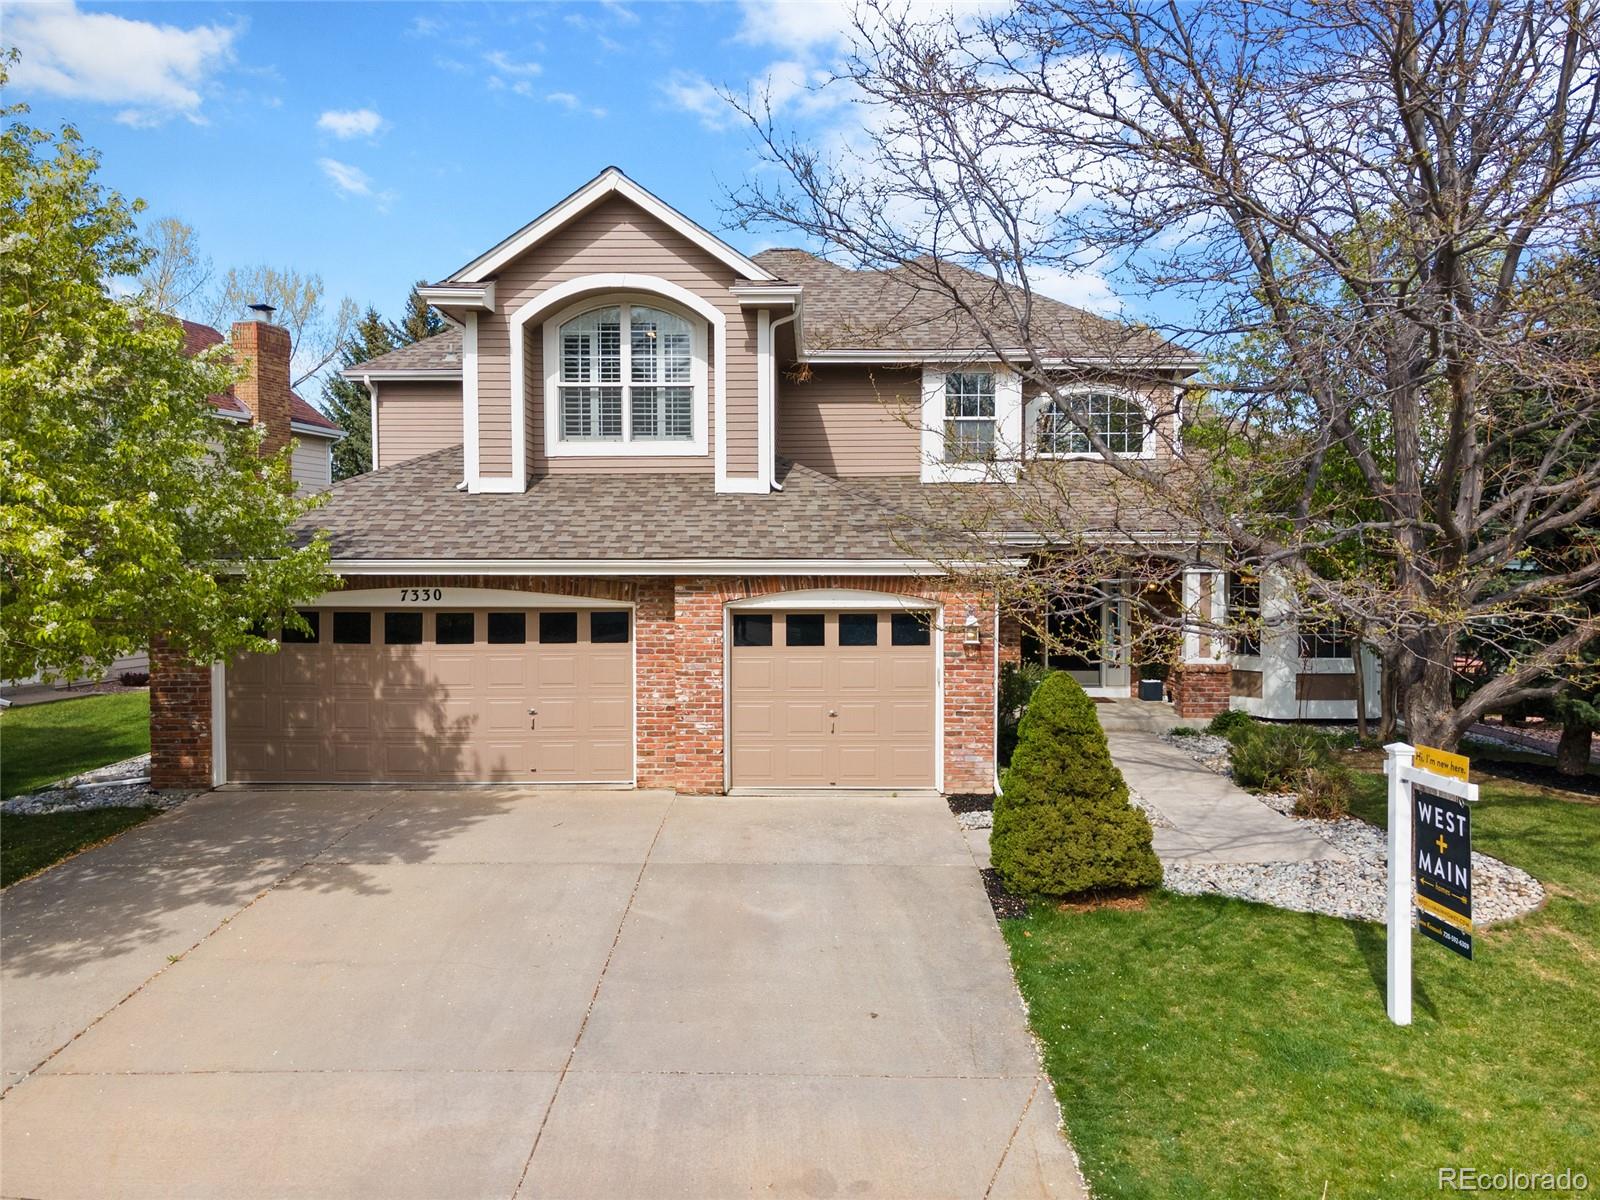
(1157, 818)
(1354, 887)
(124, 784)
(1209, 751)
(983, 818)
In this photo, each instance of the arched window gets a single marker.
(1121, 423)
(626, 373)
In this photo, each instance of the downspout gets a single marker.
(372, 395)
(772, 418)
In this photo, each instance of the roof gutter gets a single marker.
(646, 566)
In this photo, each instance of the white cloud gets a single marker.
(504, 63)
(351, 181)
(572, 103)
(346, 123)
(795, 24)
(157, 71)
(694, 94)
(1085, 289)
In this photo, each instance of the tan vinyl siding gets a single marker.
(613, 237)
(416, 419)
(852, 420)
(309, 463)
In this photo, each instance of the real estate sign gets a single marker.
(1443, 862)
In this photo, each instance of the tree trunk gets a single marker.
(1572, 754)
(1358, 658)
(1428, 697)
(1388, 693)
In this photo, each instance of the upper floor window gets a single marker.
(969, 416)
(626, 373)
(1121, 423)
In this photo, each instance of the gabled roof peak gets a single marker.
(612, 180)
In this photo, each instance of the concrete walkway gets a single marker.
(498, 993)
(1213, 820)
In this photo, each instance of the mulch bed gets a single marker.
(1543, 776)
(1120, 899)
(965, 802)
(1006, 905)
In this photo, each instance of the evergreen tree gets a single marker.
(348, 401)
(420, 321)
(1062, 823)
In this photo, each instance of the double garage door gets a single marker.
(431, 695)
(832, 699)
(420, 695)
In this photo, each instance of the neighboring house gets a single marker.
(657, 513)
(263, 394)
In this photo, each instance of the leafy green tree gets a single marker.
(1062, 823)
(129, 514)
(348, 402)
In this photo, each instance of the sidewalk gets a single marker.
(1213, 820)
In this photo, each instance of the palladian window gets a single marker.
(1120, 422)
(626, 374)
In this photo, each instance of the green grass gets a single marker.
(1204, 1047)
(32, 843)
(41, 743)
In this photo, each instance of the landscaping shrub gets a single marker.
(1324, 792)
(134, 679)
(1063, 823)
(1275, 758)
(1183, 731)
(1230, 723)
(1018, 682)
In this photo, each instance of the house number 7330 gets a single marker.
(415, 594)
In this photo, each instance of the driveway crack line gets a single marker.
(593, 996)
(1010, 1141)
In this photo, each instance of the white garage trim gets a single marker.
(219, 724)
(843, 599)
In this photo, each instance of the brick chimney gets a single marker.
(261, 349)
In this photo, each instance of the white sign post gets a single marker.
(1400, 766)
(1400, 757)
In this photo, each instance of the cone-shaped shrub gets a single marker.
(1063, 823)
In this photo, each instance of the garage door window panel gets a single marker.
(295, 637)
(558, 628)
(608, 628)
(402, 628)
(507, 628)
(352, 628)
(752, 629)
(804, 629)
(858, 629)
(455, 628)
(910, 629)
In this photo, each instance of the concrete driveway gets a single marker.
(502, 993)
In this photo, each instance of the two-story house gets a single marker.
(654, 512)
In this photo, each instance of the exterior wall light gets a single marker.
(971, 634)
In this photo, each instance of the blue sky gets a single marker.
(377, 143)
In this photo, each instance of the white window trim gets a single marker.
(1036, 407)
(621, 284)
(626, 446)
(1007, 427)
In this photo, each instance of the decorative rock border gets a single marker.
(1353, 886)
(124, 784)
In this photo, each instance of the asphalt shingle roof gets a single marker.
(441, 352)
(413, 510)
(903, 310)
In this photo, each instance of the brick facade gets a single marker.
(1201, 690)
(679, 675)
(180, 723)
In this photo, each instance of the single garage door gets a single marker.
(832, 699)
(528, 696)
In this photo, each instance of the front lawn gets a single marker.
(1204, 1047)
(32, 843)
(41, 743)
